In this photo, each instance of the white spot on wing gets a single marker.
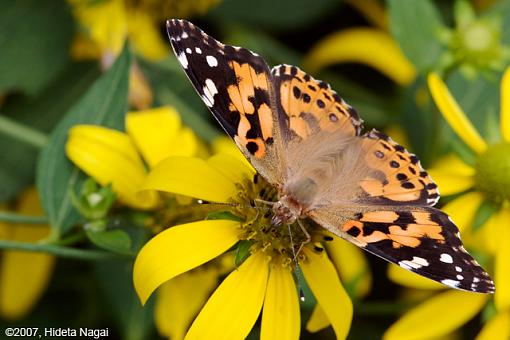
(450, 283)
(198, 50)
(183, 60)
(209, 91)
(212, 61)
(415, 263)
(475, 279)
(405, 265)
(184, 35)
(188, 50)
(459, 269)
(460, 277)
(421, 261)
(446, 258)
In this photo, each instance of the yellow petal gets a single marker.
(234, 307)
(190, 177)
(158, 134)
(497, 328)
(179, 249)
(140, 93)
(486, 234)
(437, 316)
(281, 316)
(180, 299)
(452, 175)
(409, 279)
(351, 264)
(321, 276)
(463, 209)
(318, 320)
(454, 115)
(226, 145)
(145, 35)
(372, 10)
(502, 265)
(84, 48)
(231, 167)
(505, 105)
(110, 158)
(24, 275)
(361, 45)
(105, 23)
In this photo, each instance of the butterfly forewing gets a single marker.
(236, 86)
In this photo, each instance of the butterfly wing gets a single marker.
(309, 106)
(388, 213)
(236, 86)
(423, 240)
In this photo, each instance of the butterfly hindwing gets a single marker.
(397, 176)
(421, 239)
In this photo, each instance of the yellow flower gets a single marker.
(180, 299)
(23, 275)
(264, 280)
(488, 180)
(107, 24)
(360, 45)
(114, 157)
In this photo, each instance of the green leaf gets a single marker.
(242, 252)
(483, 213)
(421, 121)
(416, 26)
(34, 40)
(117, 240)
(105, 103)
(17, 159)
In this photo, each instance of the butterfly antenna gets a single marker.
(236, 205)
(297, 270)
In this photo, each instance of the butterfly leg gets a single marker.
(307, 235)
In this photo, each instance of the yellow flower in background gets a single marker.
(23, 275)
(489, 180)
(107, 24)
(360, 45)
(264, 281)
(117, 158)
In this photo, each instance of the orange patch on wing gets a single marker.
(423, 218)
(266, 121)
(299, 126)
(244, 89)
(380, 216)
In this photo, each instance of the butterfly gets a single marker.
(308, 143)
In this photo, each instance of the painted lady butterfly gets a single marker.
(306, 141)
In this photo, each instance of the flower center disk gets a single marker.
(493, 172)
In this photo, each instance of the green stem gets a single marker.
(22, 132)
(25, 219)
(57, 250)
